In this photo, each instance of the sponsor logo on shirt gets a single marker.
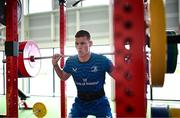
(94, 69)
(85, 83)
(84, 80)
(74, 69)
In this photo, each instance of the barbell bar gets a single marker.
(170, 40)
(175, 39)
(33, 58)
(29, 59)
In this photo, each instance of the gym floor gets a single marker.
(52, 105)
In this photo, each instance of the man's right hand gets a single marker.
(56, 58)
(62, 75)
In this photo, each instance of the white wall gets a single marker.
(44, 27)
(172, 14)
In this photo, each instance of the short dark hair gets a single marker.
(83, 33)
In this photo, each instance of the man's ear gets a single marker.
(91, 43)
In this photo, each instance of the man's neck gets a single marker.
(84, 58)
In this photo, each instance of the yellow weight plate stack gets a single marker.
(39, 110)
(157, 42)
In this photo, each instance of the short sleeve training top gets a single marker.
(88, 76)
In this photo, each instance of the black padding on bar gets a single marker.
(11, 48)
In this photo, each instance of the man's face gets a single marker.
(83, 45)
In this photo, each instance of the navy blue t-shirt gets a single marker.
(88, 76)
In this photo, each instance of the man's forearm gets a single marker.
(59, 72)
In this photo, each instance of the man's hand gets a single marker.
(62, 75)
(55, 59)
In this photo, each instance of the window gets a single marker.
(95, 2)
(40, 6)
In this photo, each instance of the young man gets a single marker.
(88, 72)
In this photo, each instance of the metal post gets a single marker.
(62, 33)
(11, 50)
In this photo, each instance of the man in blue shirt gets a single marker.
(88, 72)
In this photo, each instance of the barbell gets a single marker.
(33, 58)
(29, 59)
